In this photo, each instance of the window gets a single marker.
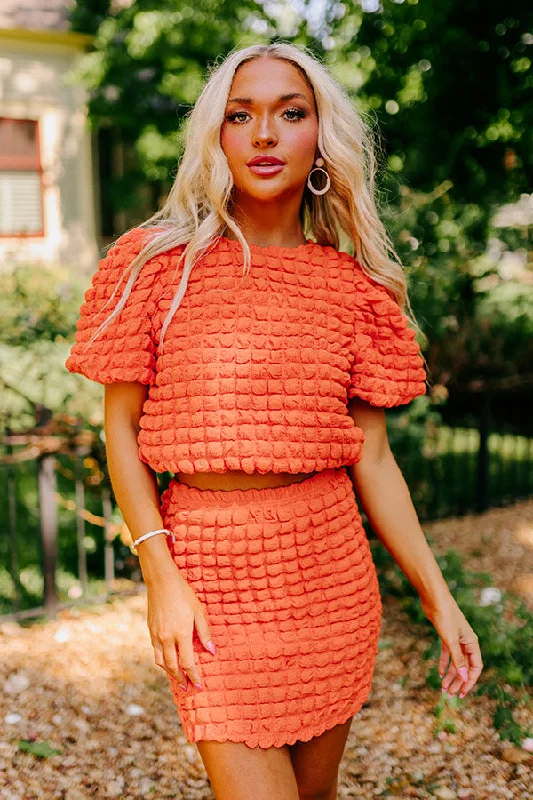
(21, 212)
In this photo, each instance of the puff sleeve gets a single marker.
(388, 369)
(125, 350)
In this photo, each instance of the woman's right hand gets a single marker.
(173, 611)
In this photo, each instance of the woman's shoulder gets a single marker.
(133, 240)
(368, 286)
(130, 244)
(130, 241)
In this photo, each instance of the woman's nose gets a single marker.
(264, 131)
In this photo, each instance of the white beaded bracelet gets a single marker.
(134, 544)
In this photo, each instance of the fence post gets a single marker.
(483, 454)
(12, 512)
(80, 451)
(48, 518)
(109, 551)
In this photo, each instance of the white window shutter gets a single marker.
(20, 203)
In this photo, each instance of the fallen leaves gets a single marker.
(85, 713)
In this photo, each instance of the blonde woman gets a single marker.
(255, 363)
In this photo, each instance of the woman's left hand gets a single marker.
(459, 642)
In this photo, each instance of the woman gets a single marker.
(273, 373)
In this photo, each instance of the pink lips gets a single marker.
(265, 165)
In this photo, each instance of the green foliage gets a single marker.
(442, 721)
(87, 16)
(37, 304)
(36, 748)
(504, 721)
(448, 83)
(147, 68)
(478, 324)
(28, 531)
(505, 632)
(445, 86)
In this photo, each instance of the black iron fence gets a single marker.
(64, 541)
(457, 471)
(62, 536)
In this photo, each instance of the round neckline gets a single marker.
(272, 247)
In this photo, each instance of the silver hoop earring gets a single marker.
(319, 162)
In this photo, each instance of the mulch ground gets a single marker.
(86, 684)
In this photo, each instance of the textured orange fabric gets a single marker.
(291, 594)
(126, 350)
(255, 375)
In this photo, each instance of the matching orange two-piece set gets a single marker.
(255, 375)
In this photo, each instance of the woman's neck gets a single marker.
(264, 238)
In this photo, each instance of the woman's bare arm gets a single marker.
(134, 483)
(174, 609)
(384, 495)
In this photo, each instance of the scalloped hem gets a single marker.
(264, 740)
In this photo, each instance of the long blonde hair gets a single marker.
(196, 211)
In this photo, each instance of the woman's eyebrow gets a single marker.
(281, 99)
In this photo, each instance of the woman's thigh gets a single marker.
(239, 772)
(316, 762)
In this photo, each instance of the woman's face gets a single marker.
(270, 113)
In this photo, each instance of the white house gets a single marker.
(49, 190)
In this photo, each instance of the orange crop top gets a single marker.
(256, 373)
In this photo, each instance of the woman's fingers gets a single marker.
(170, 655)
(203, 629)
(466, 661)
(450, 678)
(188, 663)
(460, 656)
(173, 645)
(163, 658)
(476, 665)
(456, 683)
(178, 660)
(444, 658)
(159, 656)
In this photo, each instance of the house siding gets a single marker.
(33, 86)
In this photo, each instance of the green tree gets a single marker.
(447, 86)
(146, 69)
(449, 83)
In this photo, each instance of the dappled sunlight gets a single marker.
(94, 655)
(86, 685)
(499, 541)
(524, 534)
(523, 583)
(523, 586)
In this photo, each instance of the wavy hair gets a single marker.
(198, 208)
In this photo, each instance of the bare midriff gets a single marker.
(238, 479)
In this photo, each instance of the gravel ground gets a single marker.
(87, 685)
(499, 542)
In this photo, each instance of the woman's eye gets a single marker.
(298, 113)
(233, 117)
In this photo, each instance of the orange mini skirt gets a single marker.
(292, 598)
